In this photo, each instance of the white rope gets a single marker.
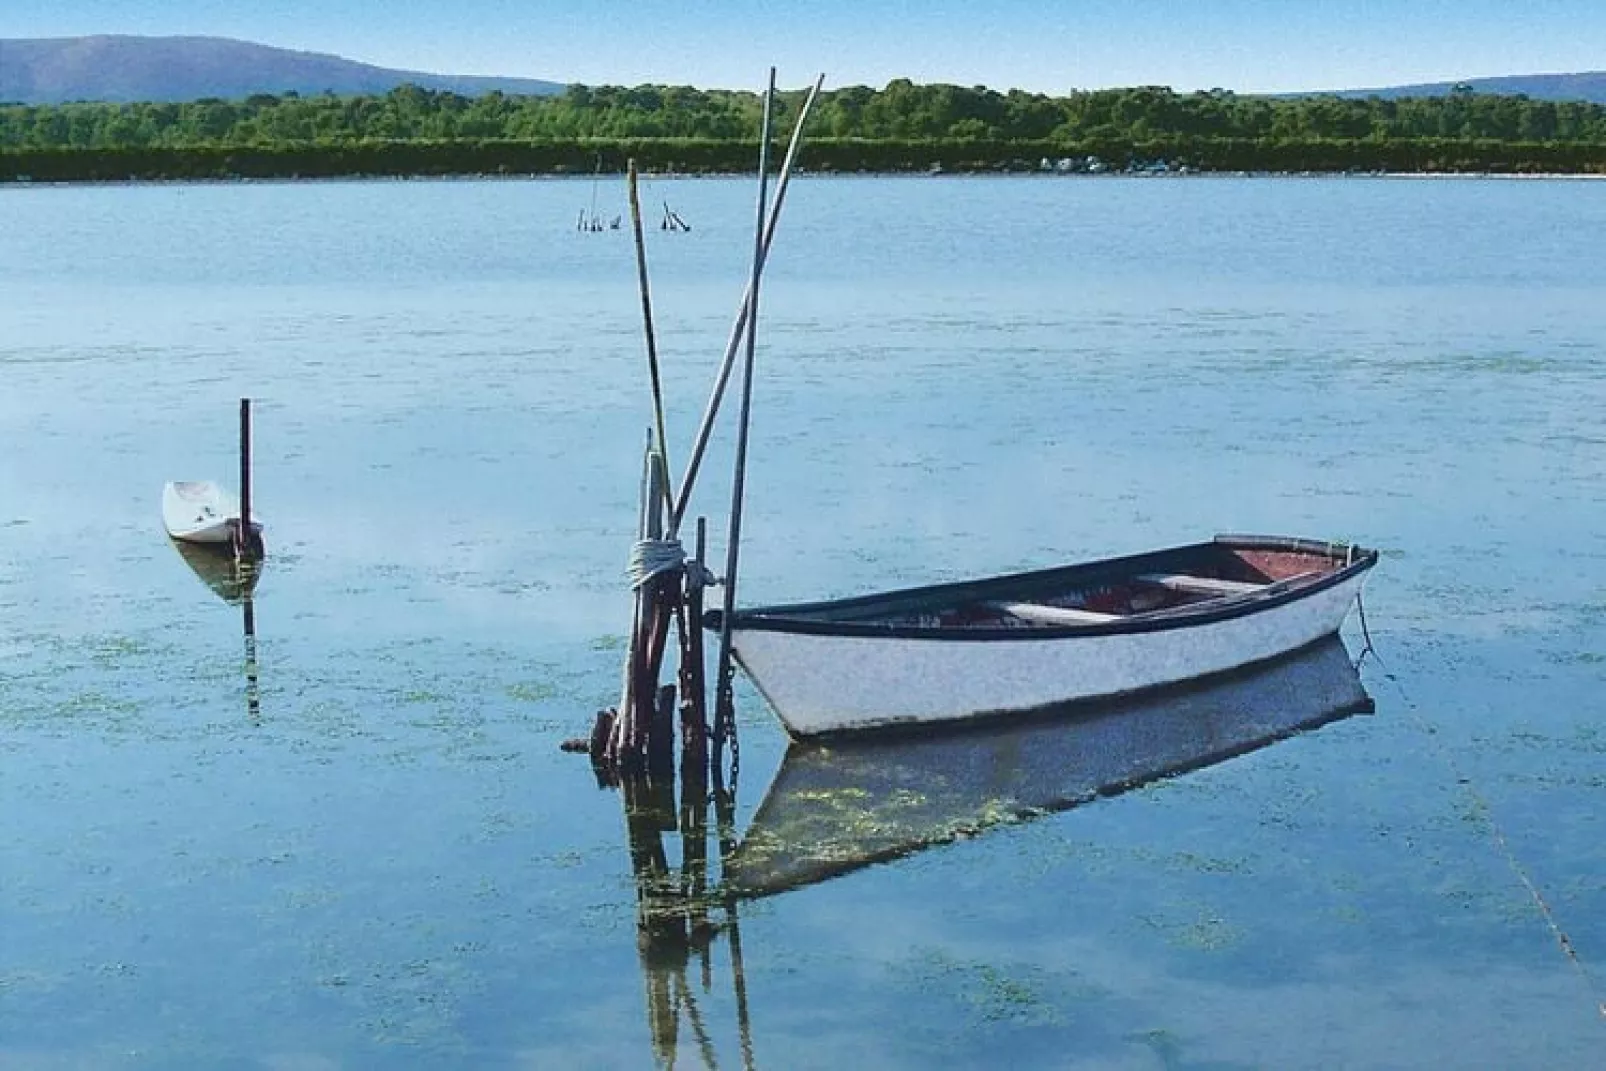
(1497, 834)
(654, 557)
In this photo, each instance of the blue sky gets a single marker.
(1043, 45)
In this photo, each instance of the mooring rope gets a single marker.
(1366, 633)
(654, 557)
(1568, 950)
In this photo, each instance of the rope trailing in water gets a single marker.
(1366, 633)
(650, 558)
(1568, 950)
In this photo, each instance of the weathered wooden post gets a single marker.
(627, 748)
(693, 698)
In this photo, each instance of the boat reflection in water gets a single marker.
(234, 581)
(834, 808)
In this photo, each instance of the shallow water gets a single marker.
(392, 863)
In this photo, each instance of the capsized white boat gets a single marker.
(1016, 643)
(837, 806)
(200, 511)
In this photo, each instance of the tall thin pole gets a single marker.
(246, 548)
(683, 496)
(646, 318)
(723, 714)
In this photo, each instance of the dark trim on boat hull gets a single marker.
(793, 617)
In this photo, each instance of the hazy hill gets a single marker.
(1588, 85)
(112, 68)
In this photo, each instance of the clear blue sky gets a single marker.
(1044, 45)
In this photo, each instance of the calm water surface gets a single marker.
(392, 864)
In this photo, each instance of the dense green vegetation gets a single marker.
(900, 127)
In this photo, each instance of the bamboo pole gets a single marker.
(646, 319)
(723, 714)
(705, 430)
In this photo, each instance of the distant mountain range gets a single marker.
(122, 69)
(1587, 85)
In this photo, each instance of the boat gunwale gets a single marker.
(788, 617)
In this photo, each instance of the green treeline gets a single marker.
(904, 127)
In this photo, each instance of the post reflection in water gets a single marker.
(678, 917)
(233, 580)
(833, 808)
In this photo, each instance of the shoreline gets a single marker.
(802, 173)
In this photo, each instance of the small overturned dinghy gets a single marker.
(199, 511)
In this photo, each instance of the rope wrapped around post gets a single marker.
(650, 558)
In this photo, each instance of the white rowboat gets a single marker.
(199, 511)
(1028, 641)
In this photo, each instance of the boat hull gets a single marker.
(199, 511)
(820, 683)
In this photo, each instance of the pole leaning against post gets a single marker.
(689, 478)
(646, 318)
(724, 714)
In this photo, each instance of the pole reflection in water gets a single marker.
(253, 690)
(678, 918)
(233, 580)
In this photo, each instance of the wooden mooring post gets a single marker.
(693, 697)
(636, 738)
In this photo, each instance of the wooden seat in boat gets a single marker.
(1040, 614)
(1200, 585)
